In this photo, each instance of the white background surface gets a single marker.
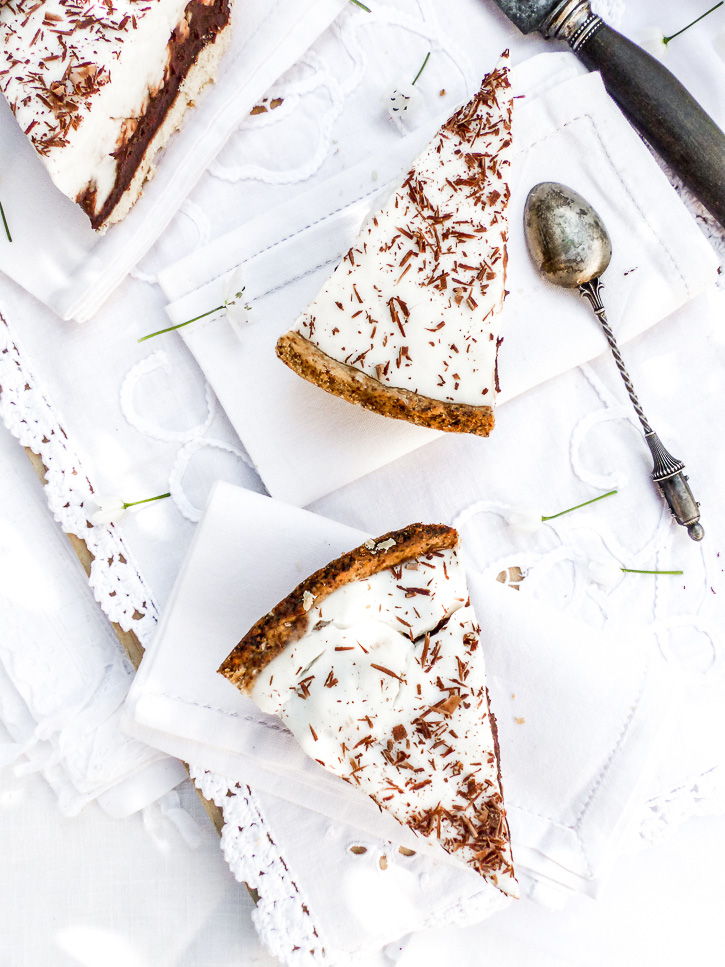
(97, 892)
(94, 891)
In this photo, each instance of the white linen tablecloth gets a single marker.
(332, 117)
(63, 678)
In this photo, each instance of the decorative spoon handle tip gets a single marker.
(667, 472)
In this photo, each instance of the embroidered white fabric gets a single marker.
(315, 132)
(281, 916)
(703, 793)
(29, 415)
(61, 704)
(378, 872)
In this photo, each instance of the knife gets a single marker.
(658, 105)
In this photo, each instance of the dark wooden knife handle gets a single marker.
(664, 111)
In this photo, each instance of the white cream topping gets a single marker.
(387, 690)
(415, 302)
(77, 73)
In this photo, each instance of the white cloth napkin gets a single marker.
(55, 254)
(305, 443)
(580, 714)
(63, 678)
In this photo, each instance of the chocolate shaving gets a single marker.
(386, 671)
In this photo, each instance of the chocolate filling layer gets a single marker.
(203, 22)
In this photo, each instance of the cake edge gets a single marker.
(507, 828)
(339, 379)
(288, 621)
(201, 73)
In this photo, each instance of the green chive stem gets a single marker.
(634, 570)
(666, 40)
(181, 325)
(361, 5)
(146, 500)
(586, 503)
(5, 223)
(423, 65)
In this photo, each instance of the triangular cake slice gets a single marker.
(375, 665)
(98, 88)
(408, 324)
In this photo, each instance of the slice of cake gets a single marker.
(408, 324)
(374, 663)
(98, 86)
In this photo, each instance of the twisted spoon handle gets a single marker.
(592, 292)
(667, 472)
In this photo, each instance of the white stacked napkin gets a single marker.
(55, 254)
(580, 715)
(306, 443)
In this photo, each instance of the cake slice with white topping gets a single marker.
(408, 324)
(375, 665)
(99, 87)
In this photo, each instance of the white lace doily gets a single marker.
(36, 424)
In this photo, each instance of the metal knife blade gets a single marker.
(527, 15)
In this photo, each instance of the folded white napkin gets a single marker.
(580, 714)
(55, 254)
(305, 443)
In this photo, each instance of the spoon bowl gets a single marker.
(566, 237)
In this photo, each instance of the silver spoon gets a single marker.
(571, 247)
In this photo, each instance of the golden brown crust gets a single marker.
(288, 621)
(312, 364)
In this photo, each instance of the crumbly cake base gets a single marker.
(202, 72)
(289, 620)
(354, 386)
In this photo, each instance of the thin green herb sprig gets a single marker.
(180, 325)
(421, 68)
(228, 303)
(636, 570)
(5, 223)
(666, 40)
(146, 500)
(610, 493)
